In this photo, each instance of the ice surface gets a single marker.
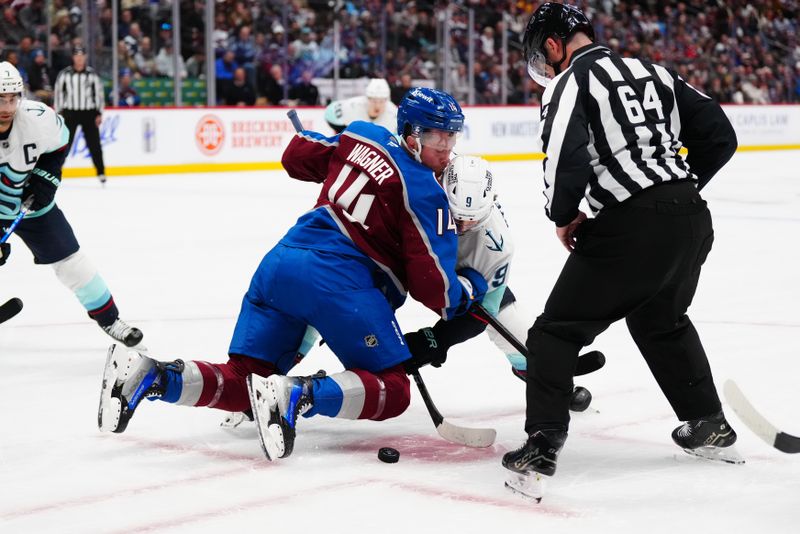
(178, 252)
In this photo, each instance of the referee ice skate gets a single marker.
(79, 98)
(611, 129)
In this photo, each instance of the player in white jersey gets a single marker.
(486, 245)
(33, 146)
(374, 107)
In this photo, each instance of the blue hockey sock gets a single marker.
(328, 398)
(172, 381)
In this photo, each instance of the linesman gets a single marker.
(79, 98)
(611, 129)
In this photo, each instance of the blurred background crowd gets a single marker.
(270, 52)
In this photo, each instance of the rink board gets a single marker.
(186, 140)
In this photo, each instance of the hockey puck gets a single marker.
(388, 455)
(580, 400)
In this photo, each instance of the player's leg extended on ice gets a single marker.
(131, 376)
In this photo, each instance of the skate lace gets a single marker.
(119, 329)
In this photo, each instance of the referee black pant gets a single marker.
(91, 132)
(639, 260)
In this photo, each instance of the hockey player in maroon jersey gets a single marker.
(381, 228)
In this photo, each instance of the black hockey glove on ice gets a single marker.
(425, 349)
(5, 250)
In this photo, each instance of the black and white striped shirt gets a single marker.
(76, 91)
(613, 126)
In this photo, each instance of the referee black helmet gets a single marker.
(551, 20)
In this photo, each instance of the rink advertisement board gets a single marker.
(158, 140)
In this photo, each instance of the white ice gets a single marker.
(178, 252)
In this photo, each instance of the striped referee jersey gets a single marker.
(79, 91)
(613, 126)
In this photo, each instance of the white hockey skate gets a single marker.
(530, 485)
(233, 420)
(128, 377)
(276, 402)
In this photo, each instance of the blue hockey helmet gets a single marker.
(428, 109)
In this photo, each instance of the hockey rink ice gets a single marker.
(178, 251)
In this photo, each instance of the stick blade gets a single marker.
(748, 414)
(469, 437)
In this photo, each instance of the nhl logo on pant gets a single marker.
(371, 341)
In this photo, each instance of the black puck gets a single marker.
(580, 400)
(388, 455)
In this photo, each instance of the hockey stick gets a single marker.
(10, 309)
(26, 205)
(757, 423)
(587, 363)
(292, 114)
(470, 437)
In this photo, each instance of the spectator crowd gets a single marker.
(269, 51)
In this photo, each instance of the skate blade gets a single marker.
(530, 486)
(729, 455)
(110, 407)
(263, 403)
(233, 420)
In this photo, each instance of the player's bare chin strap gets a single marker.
(417, 153)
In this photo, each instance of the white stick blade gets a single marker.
(748, 414)
(470, 437)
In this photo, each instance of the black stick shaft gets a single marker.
(426, 397)
(587, 363)
(479, 311)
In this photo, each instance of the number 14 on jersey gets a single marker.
(445, 222)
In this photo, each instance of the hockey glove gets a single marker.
(42, 185)
(5, 250)
(425, 349)
(475, 287)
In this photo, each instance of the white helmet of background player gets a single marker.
(377, 96)
(378, 88)
(468, 183)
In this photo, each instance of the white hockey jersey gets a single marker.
(36, 130)
(343, 112)
(488, 248)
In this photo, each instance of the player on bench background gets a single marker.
(374, 107)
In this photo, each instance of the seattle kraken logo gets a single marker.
(498, 247)
(8, 182)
